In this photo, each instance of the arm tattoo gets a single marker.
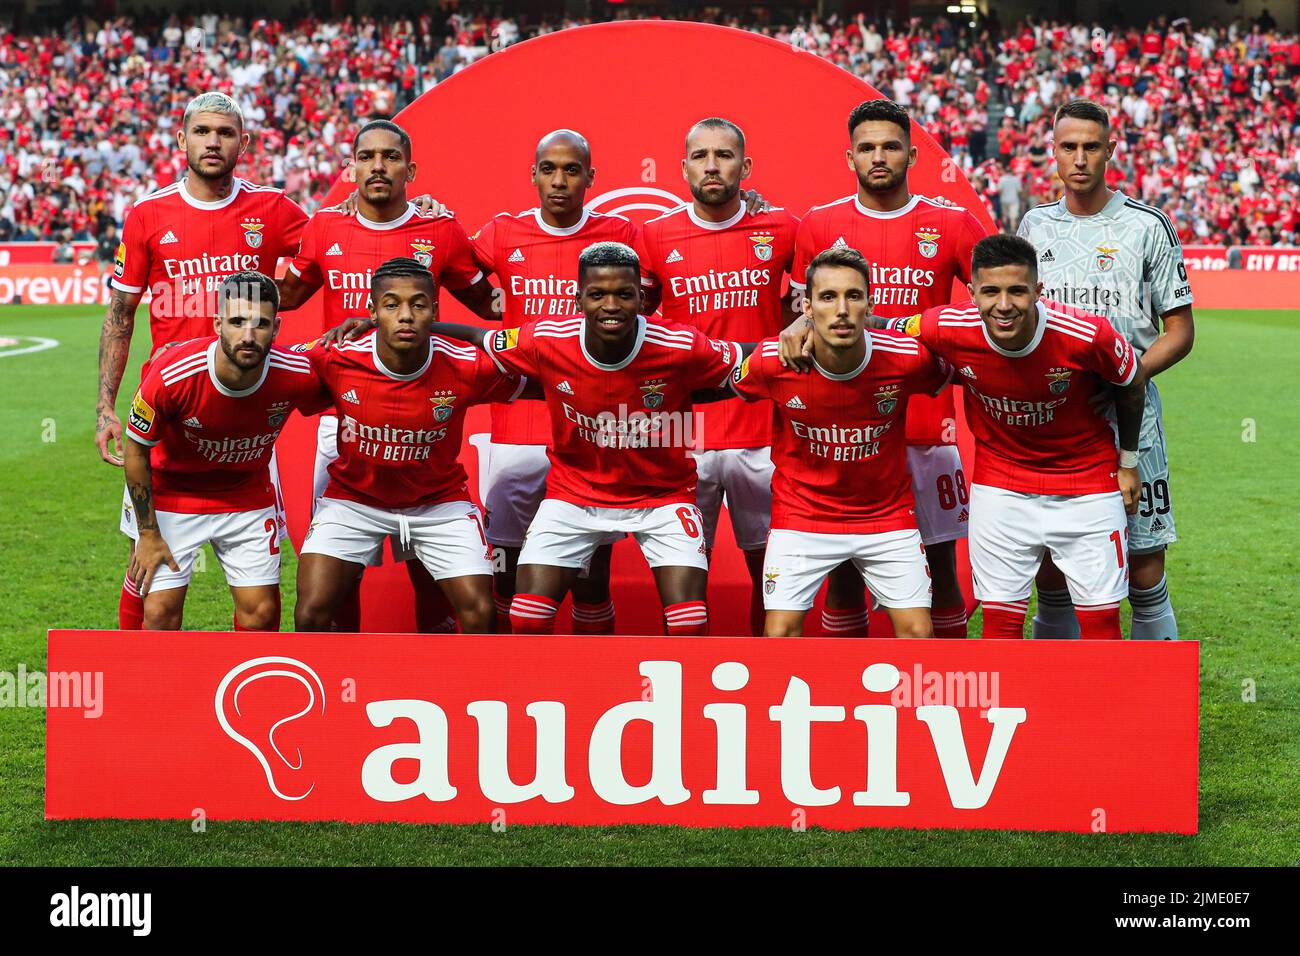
(142, 498)
(115, 345)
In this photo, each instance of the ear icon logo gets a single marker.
(228, 709)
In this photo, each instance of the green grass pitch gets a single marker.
(1232, 415)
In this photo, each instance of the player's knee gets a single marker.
(478, 614)
(914, 626)
(1146, 570)
(162, 617)
(312, 613)
(782, 627)
(264, 615)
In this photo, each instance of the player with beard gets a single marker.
(201, 432)
(713, 264)
(340, 249)
(179, 243)
(917, 247)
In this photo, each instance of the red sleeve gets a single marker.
(144, 424)
(750, 380)
(292, 221)
(712, 361)
(972, 231)
(131, 265)
(803, 253)
(641, 243)
(490, 385)
(1111, 356)
(459, 270)
(925, 328)
(481, 246)
(306, 263)
(513, 350)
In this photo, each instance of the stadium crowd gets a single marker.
(1205, 114)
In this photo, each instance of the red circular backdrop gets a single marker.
(633, 89)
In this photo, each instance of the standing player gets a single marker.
(402, 395)
(534, 255)
(712, 265)
(619, 391)
(201, 429)
(917, 247)
(339, 252)
(180, 243)
(842, 490)
(1114, 256)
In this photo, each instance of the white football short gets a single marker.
(566, 535)
(1085, 534)
(447, 538)
(939, 487)
(246, 543)
(744, 477)
(892, 563)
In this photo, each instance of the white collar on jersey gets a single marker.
(1033, 343)
(846, 376)
(902, 210)
(636, 347)
(707, 224)
(1109, 211)
(550, 230)
(214, 204)
(397, 376)
(230, 392)
(401, 220)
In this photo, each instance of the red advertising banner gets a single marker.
(40, 253)
(842, 734)
(54, 285)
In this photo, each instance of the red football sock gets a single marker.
(949, 622)
(533, 614)
(846, 621)
(503, 613)
(593, 618)
(689, 618)
(1099, 622)
(130, 607)
(1005, 620)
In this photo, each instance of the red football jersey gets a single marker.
(178, 249)
(340, 253)
(725, 279)
(536, 266)
(623, 434)
(915, 253)
(1035, 429)
(400, 435)
(840, 448)
(211, 446)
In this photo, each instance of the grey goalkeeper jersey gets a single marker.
(1124, 263)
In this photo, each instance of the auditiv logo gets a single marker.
(795, 714)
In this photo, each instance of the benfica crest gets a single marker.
(422, 252)
(927, 243)
(887, 399)
(252, 232)
(277, 413)
(762, 245)
(652, 394)
(1058, 380)
(769, 586)
(442, 407)
(1105, 258)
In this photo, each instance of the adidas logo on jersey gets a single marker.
(565, 387)
(968, 371)
(335, 250)
(1047, 257)
(963, 516)
(674, 256)
(193, 422)
(1157, 525)
(796, 402)
(169, 238)
(516, 256)
(351, 396)
(839, 243)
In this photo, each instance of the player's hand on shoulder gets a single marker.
(943, 201)
(108, 435)
(796, 345)
(151, 553)
(428, 207)
(754, 202)
(351, 328)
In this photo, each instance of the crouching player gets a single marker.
(401, 395)
(202, 428)
(841, 490)
(619, 391)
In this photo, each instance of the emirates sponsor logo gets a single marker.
(233, 450)
(634, 428)
(206, 265)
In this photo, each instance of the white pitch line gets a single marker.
(40, 346)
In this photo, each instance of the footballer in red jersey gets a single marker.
(201, 431)
(1047, 477)
(916, 248)
(401, 395)
(340, 251)
(714, 265)
(619, 390)
(534, 255)
(179, 243)
(841, 490)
